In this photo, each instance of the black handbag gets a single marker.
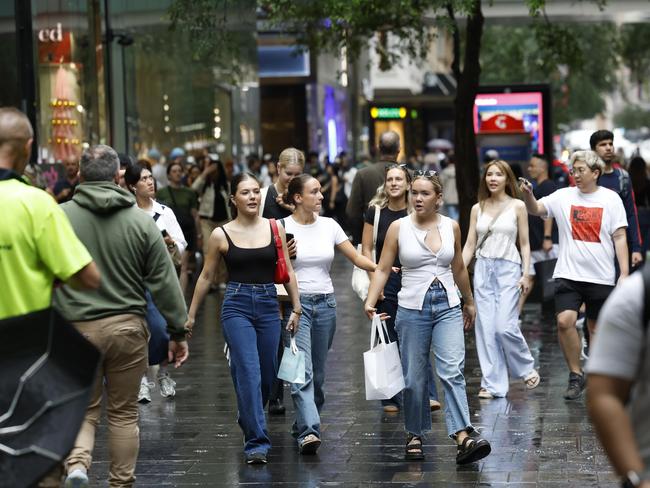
(544, 278)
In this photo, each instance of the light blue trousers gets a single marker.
(500, 344)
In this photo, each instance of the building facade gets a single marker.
(114, 72)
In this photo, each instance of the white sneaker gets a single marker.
(584, 353)
(144, 395)
(167, 386)
(76, 479)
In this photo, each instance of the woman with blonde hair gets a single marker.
(429, 314)
(391, 203)
(291, 163)
(497, 223)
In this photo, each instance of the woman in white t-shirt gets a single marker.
(497, 222)
(140, 182)
(316, 239)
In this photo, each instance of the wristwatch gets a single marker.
(632, 480)
(548, 237)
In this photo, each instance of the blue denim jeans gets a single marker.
(250, 320)
(442, 326)
(314, 337)
(389, 306)
(159, 340)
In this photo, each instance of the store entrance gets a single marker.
(396, 126)
(283, 116)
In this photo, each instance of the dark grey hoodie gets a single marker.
(131, 255)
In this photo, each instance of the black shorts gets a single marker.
(570, 295)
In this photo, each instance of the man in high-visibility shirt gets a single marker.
(37, 243)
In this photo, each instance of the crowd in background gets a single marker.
(213, 210)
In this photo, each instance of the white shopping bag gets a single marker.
(292, 367)
(383, 368)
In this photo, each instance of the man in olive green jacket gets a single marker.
(131, 255)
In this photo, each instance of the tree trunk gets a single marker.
(467, 81)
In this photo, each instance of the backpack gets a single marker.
(624, 182)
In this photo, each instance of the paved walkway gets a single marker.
(538, 439)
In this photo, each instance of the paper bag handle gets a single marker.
(378, 331)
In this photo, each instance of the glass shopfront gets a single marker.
(114, 72)
(70, 78)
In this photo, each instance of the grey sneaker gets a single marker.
(576, 385)
(167, 386)
(76, 479)
(144, 395)
(309, 444)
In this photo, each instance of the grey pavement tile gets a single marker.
(538, 439)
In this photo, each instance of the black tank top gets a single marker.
(255, 265)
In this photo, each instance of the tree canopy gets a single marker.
(579, 61)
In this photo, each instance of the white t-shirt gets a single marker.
(586, 222)
(167, 221)
(315, 252)
(620, 350)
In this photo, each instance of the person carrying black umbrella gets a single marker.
(132, 257)
(37, 244)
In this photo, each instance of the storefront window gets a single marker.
(9, 86)
(71, 89)
(170, 99)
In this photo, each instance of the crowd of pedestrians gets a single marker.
(129, 235)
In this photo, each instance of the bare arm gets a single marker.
(470, 243)
(547, 244)
(334, 190)
(606, 398)
(384, 268)
(620, 246)
(216, 244)
(461, 277)
(87, 277)
(532, 205)
(292, 286)
(197, 224)
(366, 243)
(524, 246)
(359, 260)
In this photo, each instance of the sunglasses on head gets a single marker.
(403, 167)
(429, 173)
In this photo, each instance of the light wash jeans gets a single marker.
(314, 337)
(389, 306)
(499, 341)
(442, 326)
(250, 321)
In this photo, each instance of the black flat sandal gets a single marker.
(413, 448)
(472, 449)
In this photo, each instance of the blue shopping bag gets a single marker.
(292, 367)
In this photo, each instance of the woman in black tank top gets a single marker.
(250, 315)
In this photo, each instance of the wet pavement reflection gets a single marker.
(538, 439)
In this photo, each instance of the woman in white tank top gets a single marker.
(429, 312)
(497, 222)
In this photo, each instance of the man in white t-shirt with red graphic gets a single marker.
(592, 226)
